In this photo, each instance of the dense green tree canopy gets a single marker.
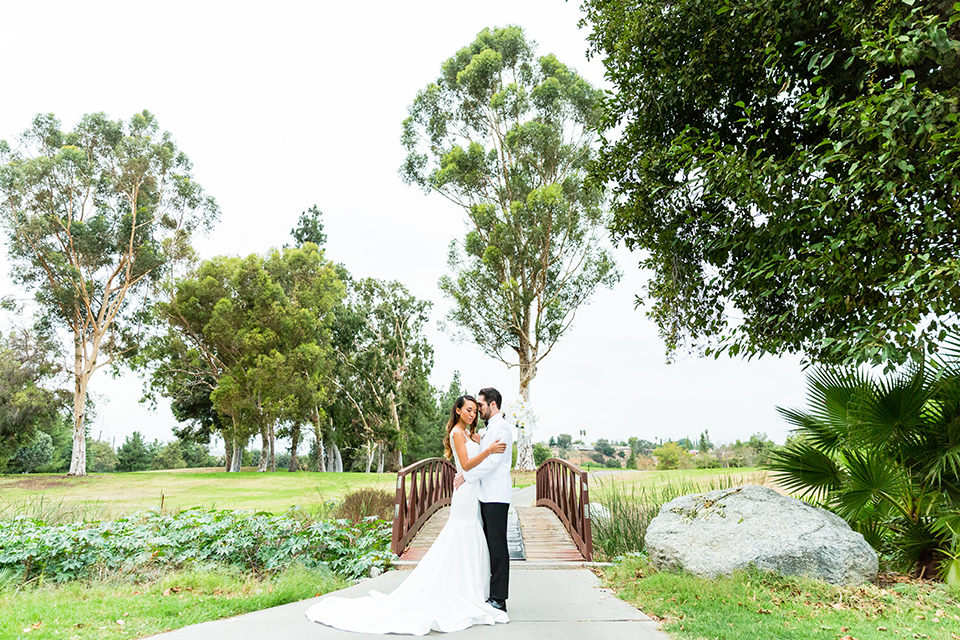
(789, 169)
(29, 394)
(135, 454)
(251, 337)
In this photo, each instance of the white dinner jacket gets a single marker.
(493, 473)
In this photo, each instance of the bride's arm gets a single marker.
(467, 463)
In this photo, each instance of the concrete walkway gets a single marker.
(559, 601)
(559, 604)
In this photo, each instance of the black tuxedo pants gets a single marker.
(494, 515)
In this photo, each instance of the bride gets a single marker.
(448, 588)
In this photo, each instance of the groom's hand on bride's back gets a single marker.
(458, 480)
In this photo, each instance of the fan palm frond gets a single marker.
(871, 477)
(803, 469)
(830, 393)
(944, 469)
(893, 415)
(884, 455)
(822, 436)
(948, 525)
(872, 531)
(950, 349)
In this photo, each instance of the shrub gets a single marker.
(671, 455)
(170, 456)
(541, 452)
(101, 458)
(366, 503)
(603, 446)
(40, 451)
(198, 455)
(134, 454)
(706, 461)
(598, 458)
(612, 463)
(883, 455)
(255, 542)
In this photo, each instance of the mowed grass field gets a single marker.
(59, 498)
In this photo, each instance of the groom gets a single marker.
(495, 491)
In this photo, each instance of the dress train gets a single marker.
(445, 592)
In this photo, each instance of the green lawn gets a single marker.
(122, 608)
(755, 605)
(58, 498)
(105, 496)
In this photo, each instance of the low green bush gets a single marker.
(257, 542)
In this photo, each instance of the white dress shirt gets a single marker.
(493, 473)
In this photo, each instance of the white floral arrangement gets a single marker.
(520, 413)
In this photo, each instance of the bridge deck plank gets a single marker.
(544, 538)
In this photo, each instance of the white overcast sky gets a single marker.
(282, 105)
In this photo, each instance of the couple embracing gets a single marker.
(463, 579)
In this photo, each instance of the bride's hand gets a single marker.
(497, 447)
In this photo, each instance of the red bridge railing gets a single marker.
(422, 488)
(563, 487)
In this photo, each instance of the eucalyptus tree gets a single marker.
(383, 362)
(94, 216)
(253, 334)
(507, 136)
(789, 169)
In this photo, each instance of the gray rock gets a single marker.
(719, 532)
(598, 512)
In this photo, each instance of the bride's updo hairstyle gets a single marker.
(454, 419)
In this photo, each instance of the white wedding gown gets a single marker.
(445, 592)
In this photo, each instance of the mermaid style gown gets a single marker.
(445, 592)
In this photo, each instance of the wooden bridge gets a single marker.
(555, 529)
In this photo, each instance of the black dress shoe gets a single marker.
(500, 605)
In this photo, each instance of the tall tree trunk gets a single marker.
(371, 451)
(528, 371)
(380, 457)
(273, 447)
(264, 450)
(78, 459)
(294, 445)
(334, 461)
(227, 455)
(237, 455)
(318, 435)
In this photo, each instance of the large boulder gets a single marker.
(719, 532)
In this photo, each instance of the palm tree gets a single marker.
(884, 454)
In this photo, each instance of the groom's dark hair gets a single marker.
(492, 395)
